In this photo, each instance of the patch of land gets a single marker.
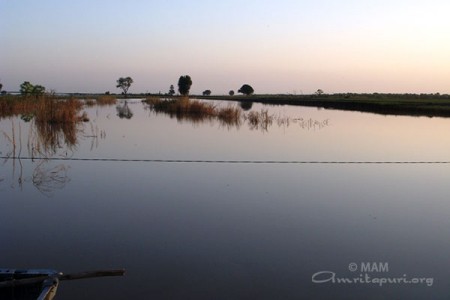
(430, 105)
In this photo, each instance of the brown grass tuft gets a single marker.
(194, 110)
(259, 120)
(105, 100)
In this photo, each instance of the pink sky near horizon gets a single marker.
(276, 46)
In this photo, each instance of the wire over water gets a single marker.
(194, 161)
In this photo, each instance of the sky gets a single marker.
(282, 46)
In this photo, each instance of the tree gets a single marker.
(171, 90)
(1, 86)
(231, 93)
(246, 90)
(319, 92)
(124, 84)
(207, 93)
(184, 85)
(38, 90)
(26, 89)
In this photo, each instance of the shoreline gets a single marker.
(391, 104)
(424, 105)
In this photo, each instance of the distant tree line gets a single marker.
(124, 83)
(185, 84)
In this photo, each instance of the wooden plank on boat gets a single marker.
(41, 284)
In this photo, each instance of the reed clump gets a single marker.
(182, 106)
(54, 136)
(90, 102)
(261, 119)
(194, 110)
(230, 115)
(45, 108)
(50, 110)
(105, 100)
(17, 105)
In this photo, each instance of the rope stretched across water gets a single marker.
(203, 161)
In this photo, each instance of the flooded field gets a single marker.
(248, 202)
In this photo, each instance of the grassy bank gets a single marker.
(388, 104)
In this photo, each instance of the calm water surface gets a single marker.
(232, 231)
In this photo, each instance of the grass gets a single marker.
(260, 119)
(49, 110)
(46, 108)
(55, 121)
(230, 116)
(194, 110)
(105, 100)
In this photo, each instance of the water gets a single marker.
(232, 231)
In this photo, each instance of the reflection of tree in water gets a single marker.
(49, 179)
(44, 141)
(123, 111)
(45, 178)
(246, 105)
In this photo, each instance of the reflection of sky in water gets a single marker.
(233, 231)
(218, 231)
(311, 134)
(348, 136)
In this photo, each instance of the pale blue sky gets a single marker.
(282, 46)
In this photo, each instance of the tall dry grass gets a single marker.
(194, 110)
(45, 108)
(259, 120)
(49, 110)
(105, 100)
(55, 121)
(230, 116)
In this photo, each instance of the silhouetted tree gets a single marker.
(124, 84)
(319, 92)
(207, 93)
(231, 93)
(184, 85)
(1, 86)
(172, 90)
(246, 90)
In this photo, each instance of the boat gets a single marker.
(40, 284)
